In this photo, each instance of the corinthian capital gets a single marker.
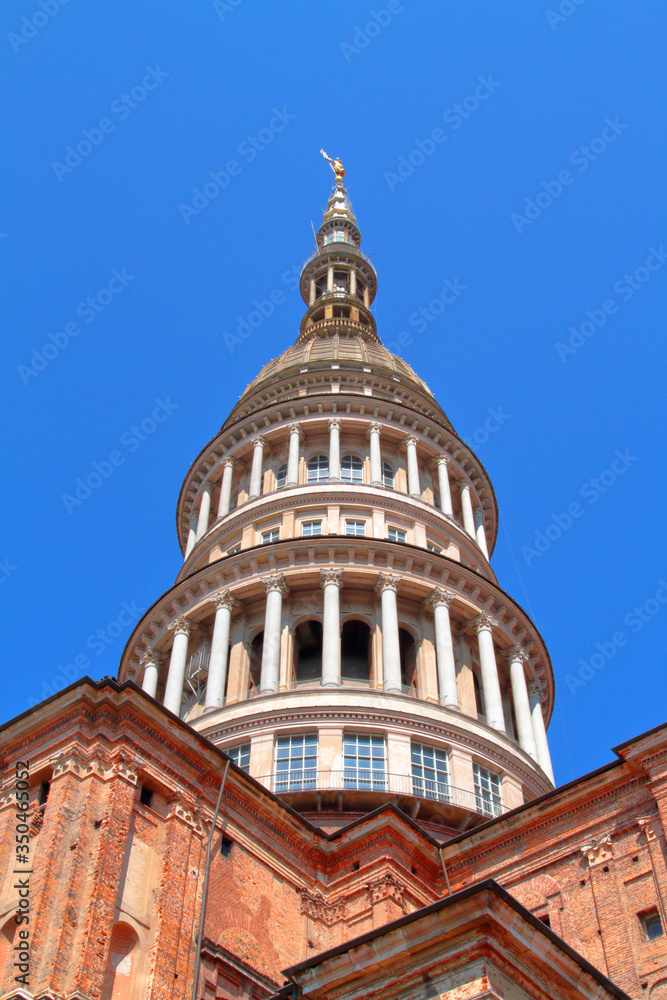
(259, 442)
(225, 599)
(276, 581)
(150, 658)
(442, 460)
(328, 576)
(411, 440)
(229, 462)
(295, 429)
(375, 427)
(484, 621)
(536, 690)
(335, 423)
(181, 626)
(387, 581)
(438, 597)
(517, 652)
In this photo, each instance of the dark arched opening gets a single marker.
(408, 648)
(255, 670)
(308, 650)
(479, 695)
(355, 652)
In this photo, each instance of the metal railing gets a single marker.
(356, 780)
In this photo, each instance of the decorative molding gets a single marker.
(386, 886)
(598, 849)
(316, 906)
(650, 826)
(179, 808)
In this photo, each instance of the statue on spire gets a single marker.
(336, 166)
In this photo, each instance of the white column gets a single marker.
(334, 448)
(535, 693)
(524, 723)
(376, 455)
(480, 532)
(330, 276)
(204, 511)
(276, 589)
(353, 282)
(466, 508)
(331, 580)
(151, 662)
(217, 667)
(293, 455)
(181, 627)
(493, 703)
(192, 535)
(440, 601)
(226, 487)
(443, 483)
(256, 469)
(413, 468)
(387, 587)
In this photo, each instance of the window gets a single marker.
(651, 924)
(235, 549)
(240, 755)
(351, 469)
(432, 547)
(360, 290)
(430, 772)
(341, 279)
(318, 469)
(396, 535)
(387, 475)
(145, 796)
(281, 476)
(364, 762)
(273, 535)
(339, 236)
(296, 763)
(226, 846)
(44, 790)
(487, 791)
(310, 528)
(355, 527)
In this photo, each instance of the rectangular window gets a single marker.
(296, 763)
(236, 548)
(396, 535)
(270, 536)
(430, 772)
(310, 528)
(364, 762)
(651, 924)
(240, 755)
(355, 527)
(487, 791)
(432, 547)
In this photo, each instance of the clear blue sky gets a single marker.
(169, 93)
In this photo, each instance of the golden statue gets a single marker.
(336, 166)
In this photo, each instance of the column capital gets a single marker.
(258, 442)
(463, 484)
(438, 597)
(442, 460)
(150, 658)
(276, 581)
(375, 427)
(484, 621)
(335, 423)
(411, 440)
(181, 626)
(387, 581)
(329, 576)
(228, 462)
(480, 513)
(295, 428)
(225, 599)
(536, 690)
(517, 652)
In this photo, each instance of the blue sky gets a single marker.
(540, 192)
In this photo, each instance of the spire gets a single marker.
(338, 283)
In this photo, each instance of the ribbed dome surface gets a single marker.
(354, 349)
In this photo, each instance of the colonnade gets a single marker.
(527, 700)
(472, 516)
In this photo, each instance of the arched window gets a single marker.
(121, 964)
(281, 476)
(355, 653)
(388, 475)
(308, 650)
(351, 469)
(318, 469)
